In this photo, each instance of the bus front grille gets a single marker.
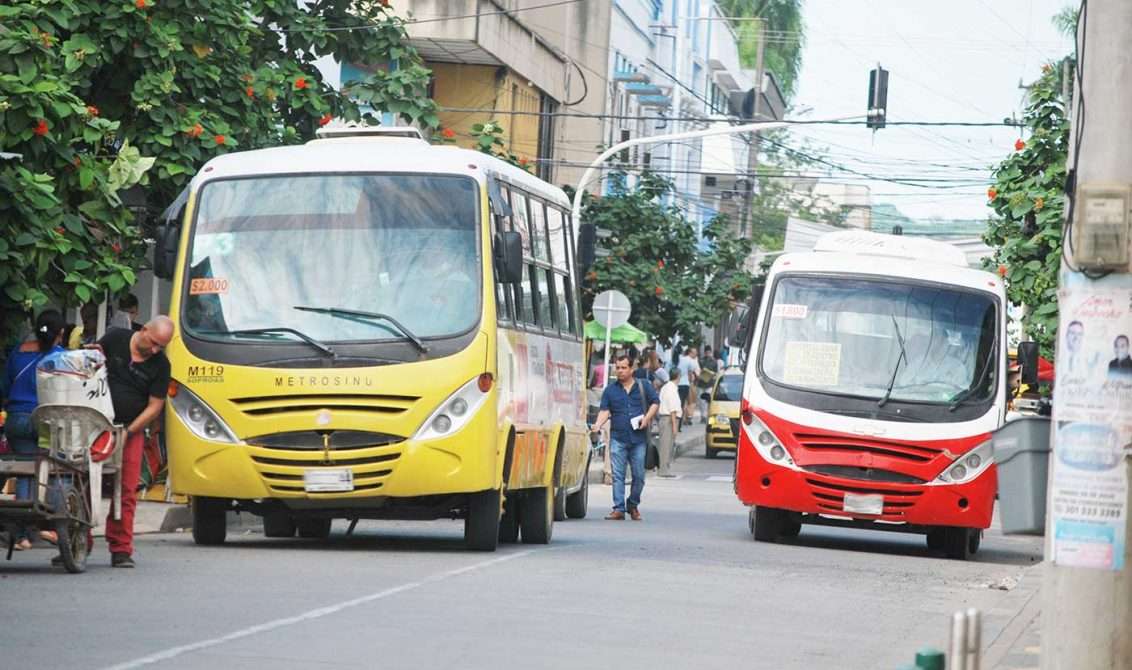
(828, 444)
(386, 405)
(283, 458)
(830, 496)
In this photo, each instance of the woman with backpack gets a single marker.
(19, 383)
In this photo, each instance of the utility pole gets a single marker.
(1087, 587)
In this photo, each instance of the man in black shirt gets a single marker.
(138, 375)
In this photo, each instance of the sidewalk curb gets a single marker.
(1028, 592)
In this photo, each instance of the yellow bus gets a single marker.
(372, 327)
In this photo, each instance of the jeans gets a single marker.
(634, 454)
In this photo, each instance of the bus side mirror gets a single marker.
(508, 254)
(1028, 363)
(587, 247)
(165, 251)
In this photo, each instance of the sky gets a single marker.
(949, 60)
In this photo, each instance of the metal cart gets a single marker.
(67, 480)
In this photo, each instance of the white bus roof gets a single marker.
(893, 256)
(868, 243)
(376, 152)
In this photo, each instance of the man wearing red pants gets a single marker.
(138, 375)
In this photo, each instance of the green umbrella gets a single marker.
(626, 334)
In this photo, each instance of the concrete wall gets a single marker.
(492, 88)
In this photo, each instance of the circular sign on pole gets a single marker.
(612, 309)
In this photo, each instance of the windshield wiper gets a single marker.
(338, 311)
(964, 395)
(903, 357)
(270, 331)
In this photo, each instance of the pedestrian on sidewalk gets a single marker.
(629, 406)
(689, 369)
(669, 422)
(709, 368)
(138, 376)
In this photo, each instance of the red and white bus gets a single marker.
(875, 378)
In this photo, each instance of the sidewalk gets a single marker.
(1018, 646)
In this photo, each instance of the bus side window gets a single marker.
(530, 297)
(545, 299)
(564, 301)
(504, 296)
(573, 281)
(556, 232)
(539, 240)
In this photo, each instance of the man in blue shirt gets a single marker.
(630, 406)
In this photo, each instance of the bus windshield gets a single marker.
(403, 247)
(881, 339)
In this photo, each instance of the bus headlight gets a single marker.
(766, 443)
(968, 466)
(456, 410)
(199, 417)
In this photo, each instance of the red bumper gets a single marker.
(758, 482)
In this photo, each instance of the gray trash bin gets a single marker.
(1021, 450)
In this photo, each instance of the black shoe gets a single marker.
(56, 561)
(121, 559)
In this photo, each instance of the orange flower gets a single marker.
(660, 265)
(195, 131)
(77, 162)
(60, 229)
(1019, 145)
(992, 193)
(117, 246)
(219, 139)
(300, 83)
(92, 110)
(1002, 271)
(659, 291)
(140, 4)
(41, 128)
(448, 133)
(1039, 202)
(325, 119)
(523, 161)
(250, 91)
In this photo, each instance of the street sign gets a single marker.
(612, 309)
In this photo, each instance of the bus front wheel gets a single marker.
(481, 525)
(767, 523)
(210, 520)
(961, 543)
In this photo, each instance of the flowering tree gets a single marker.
(674, 285)
(1028, 202)
(101, 95)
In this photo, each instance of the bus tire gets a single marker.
(314, 529)
(937, 539)
(210, 520)
(481, 525)
(791, 528)
(509, 522)
(559, 489)
(578, 502)
(536, 515)
(960, 543)
(767, 524)
(278, 524)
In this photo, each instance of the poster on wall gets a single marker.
(1092, 423)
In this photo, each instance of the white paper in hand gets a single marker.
(636, 421)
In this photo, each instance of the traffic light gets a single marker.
(878, 98)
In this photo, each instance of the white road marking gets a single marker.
(720, 478)
(173, 652)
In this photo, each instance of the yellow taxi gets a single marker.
(723, 412)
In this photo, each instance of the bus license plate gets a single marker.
(328, 479)
(863, 504)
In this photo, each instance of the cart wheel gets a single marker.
(72, 531)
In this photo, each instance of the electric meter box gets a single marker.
(1100, 231)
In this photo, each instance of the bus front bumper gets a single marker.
(463, 462)
(969, 505)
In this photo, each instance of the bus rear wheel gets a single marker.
(578, 502)
(210, 520)
(536, 515)
(481, 525)
(509, 522)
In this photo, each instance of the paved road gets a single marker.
(685, 588)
